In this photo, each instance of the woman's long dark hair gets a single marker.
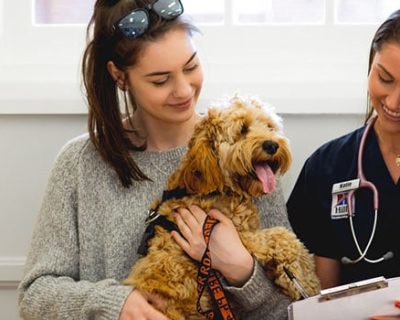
(388, 31)
(105, 119)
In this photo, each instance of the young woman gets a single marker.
(140, 58)
(319, 204)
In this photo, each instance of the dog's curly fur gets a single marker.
(222, 156)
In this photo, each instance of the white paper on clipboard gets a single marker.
(351, 304)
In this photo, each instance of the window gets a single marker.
(79, 11)
(62, 11)
(364, 11)
(279, 11)
(244, 12)
(303, 56)
(1, 17)
(205, 11)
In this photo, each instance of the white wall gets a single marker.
(29, 145)
(310, 73)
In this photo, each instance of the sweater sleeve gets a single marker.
(259, 297)
(51, 287)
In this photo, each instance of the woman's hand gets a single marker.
(228, 254)
(142, 306)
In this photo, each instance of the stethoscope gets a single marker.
(364, 183)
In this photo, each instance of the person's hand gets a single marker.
(393, 317)
(142, 306)
(228, 254)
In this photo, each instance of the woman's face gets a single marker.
(384, 86)
(167, 79)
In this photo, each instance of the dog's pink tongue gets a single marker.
(266, 176)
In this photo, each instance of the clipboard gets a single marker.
(358, 300)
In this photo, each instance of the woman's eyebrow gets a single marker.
(191, 58)
(163, 73)
(384, 70)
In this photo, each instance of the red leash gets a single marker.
(206, 278)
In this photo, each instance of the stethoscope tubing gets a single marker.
(364, 183)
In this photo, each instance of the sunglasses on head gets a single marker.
(136, 22)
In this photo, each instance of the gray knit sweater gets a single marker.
(89, 228)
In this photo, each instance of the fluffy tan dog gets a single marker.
(232, 157)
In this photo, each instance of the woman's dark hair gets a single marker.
(388, 31)
(105, 119)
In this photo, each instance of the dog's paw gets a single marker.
(277, 248)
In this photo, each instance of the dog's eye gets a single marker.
(244, 129)
(197, 174)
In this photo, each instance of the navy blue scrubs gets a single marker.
(310, 206)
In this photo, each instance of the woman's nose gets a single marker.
(182, 88)
(392, 100)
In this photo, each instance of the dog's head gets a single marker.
(239, 148)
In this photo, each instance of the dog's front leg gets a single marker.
(168, 272)
(276, 248)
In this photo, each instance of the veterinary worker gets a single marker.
(335, 174)
(143, 77)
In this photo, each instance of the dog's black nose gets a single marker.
(270, 147)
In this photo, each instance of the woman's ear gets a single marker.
(117, 74)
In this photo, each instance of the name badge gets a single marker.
(346, 186)
(340, 203)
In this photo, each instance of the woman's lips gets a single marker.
(182, 105)
(391, 114)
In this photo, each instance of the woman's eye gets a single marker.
(190, 68)
(159, 83)
(384, 80)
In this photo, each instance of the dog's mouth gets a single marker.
(265, 171)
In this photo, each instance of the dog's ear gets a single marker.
(285, 156)
(199, 171)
